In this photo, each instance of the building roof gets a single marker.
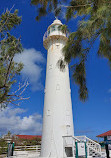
(108, 133)
(28, 136)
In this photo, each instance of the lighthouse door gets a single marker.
(68, 151)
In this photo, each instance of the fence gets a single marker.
(24, 150)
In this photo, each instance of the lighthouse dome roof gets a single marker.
(56, 22)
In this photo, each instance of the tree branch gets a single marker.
(14, 98)
(76, 6)
(8, 70)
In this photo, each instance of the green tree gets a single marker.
(9, 134)
(26, 142)
(94, 24)
(9, 47)
(3, 146)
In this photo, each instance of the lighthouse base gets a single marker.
(81, 146)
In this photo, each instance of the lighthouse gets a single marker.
(57, 115)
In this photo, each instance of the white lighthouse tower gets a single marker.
(57, 117)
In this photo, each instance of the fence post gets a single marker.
(76, 149)
(86, 149)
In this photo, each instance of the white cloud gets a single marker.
(10, 120)
(32, 69)
(109, 91)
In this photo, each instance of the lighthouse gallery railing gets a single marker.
(47, 34)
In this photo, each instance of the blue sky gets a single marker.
(90, 118)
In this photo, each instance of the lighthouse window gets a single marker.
(67, 113)
(53, 28)
(48, 32)
(57, 45)
(48, 112)
(59, 28)
(58, 87)
(50, 67)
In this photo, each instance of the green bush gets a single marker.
(3, 146)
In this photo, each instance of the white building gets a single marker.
(57, 118)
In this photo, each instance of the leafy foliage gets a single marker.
(9, 21)
(9, 47)
(64, 28)
(26, 142)
(35, 141)
(44, 7)
(4, 146)
(95, 24)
